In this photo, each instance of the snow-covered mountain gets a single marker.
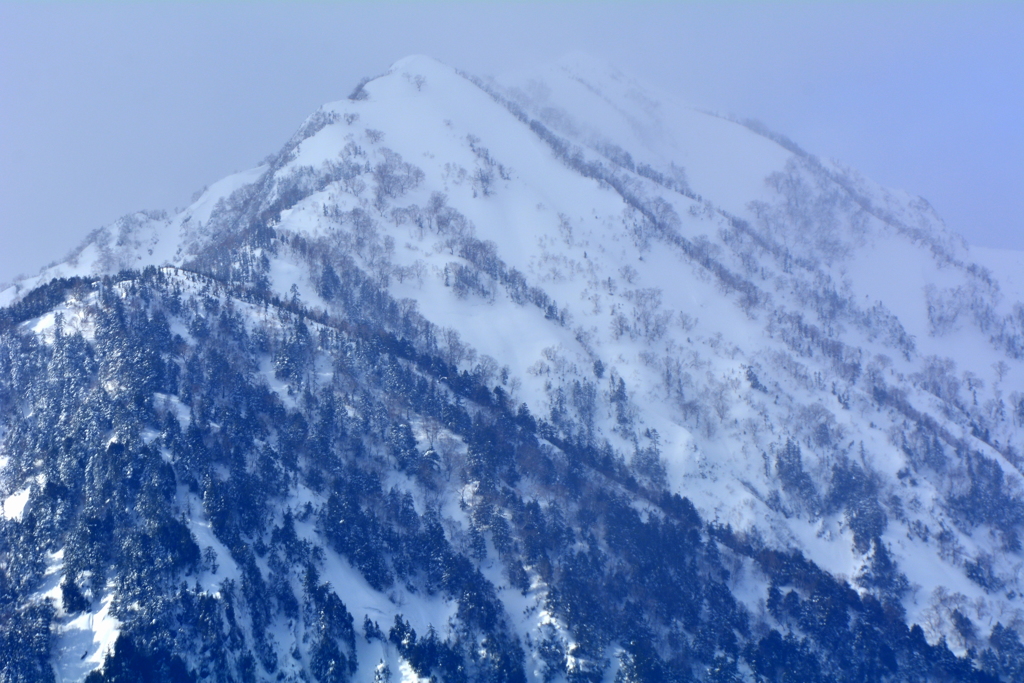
(547, 378)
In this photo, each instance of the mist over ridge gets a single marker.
(109, 109)
(540, 378)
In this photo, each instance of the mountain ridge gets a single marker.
(684, 332)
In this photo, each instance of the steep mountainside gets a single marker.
(539, 380)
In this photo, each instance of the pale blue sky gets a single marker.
(109, 108)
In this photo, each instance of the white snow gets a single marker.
(1008, 267)
(577, 238)
(85, 642)
(14, 504)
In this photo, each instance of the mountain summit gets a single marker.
(542, 379)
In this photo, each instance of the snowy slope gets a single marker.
(811, 359)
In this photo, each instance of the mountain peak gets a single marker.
(423, 64)
(414, 71)
(534, 380)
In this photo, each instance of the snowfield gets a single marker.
(812, 360)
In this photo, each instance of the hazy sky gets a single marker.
(109, 108)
